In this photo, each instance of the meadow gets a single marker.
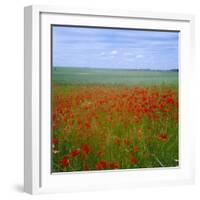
(105, 119)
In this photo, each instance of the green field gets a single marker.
(61, 75)
(105, 119)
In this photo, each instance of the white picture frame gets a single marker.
(37, 171)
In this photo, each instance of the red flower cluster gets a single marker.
(85, 149)
(92, 123)
(162, 137)
(105, 165)
(114, 165)
(64, 162)
(133, 160)
(101, 165)
(74, 153)
(55, 141)
(135, 149)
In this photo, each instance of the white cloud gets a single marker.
(139, 56)
(114, 52)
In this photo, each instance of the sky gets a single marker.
(114, 48)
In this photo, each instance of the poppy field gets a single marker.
(107, 120)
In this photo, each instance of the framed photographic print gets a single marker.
(106, 99)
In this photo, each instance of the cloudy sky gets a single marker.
(114, 48)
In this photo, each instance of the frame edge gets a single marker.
(32, 163)
(31, 29)
(27, 99)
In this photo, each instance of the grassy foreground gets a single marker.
(112, 121)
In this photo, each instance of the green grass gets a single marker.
(118, 105)
(61, 75)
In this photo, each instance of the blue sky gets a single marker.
(114, 48)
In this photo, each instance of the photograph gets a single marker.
(114, 98)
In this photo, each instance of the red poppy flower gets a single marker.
(55, 141)
(101, 165)
(126, 141)
(64, 163)
(79, 121)
(87, 125)
(99, 154)
(135, 149)
(167, 110)
(74, 153)
(86, 149)
(133, 160)
(117, 141)
(162, 137)
(114, 165)
(170, 101)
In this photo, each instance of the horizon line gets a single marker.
(112, 68)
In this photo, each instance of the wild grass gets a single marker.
(106, 126)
